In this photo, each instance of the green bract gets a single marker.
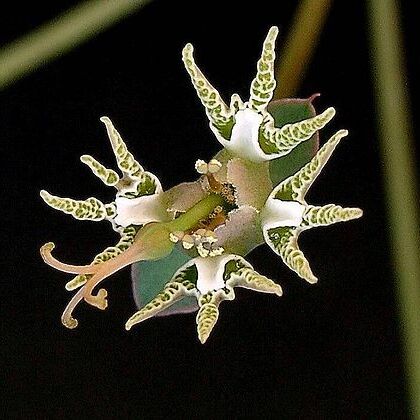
(187, 245)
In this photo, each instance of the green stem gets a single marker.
(59, 36)
(301, 43)
(397, 145)
(199, 211)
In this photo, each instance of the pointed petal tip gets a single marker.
(273, 32)
(105, 119)
(358, 213)
(342, 133)
(311, 279)
(188, 49)
(44, 194)
(330, 111)
(130, 323)
(203, 338)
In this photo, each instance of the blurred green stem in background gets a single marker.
(300, 45)
(397, 148)
(60, 35)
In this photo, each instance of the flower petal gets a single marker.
(150, 277)
(140, 210)
(296, 186)
(211, 272)
(329, 214)
(252, 182)
(281, 213)
(283, 241)
(183, 196)
(241, 232)
(243, 141)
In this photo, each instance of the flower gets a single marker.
(210, 281)
(247, 129)
(198, 233)
(286, 214)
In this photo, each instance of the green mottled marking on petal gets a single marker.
(217, 111)
(263, 85)
(125, 160)
(284, 139)
(189, 275)
(150, 277)
(90, 209)
(296, 186)
(171, 293)
(126, 240)
(329, 214)
(283, 241)
(286, 111)
(206, 320)
(250, 279)
(107, 176)
(208, 314)
(145, 184)
(231, 267)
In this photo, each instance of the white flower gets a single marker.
(247, 129)
(286, 213)
(211, 280)
(139, 199)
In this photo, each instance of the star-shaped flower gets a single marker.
(286, 213)
(247, 129)
(198, 233)
(210, 281)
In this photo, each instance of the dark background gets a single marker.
(332, 350)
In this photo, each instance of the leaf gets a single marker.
(149, 278)
(286, 111)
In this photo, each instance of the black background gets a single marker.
(332, 350)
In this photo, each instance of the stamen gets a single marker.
(188, 241)
(176, 236)
(201, 166)
(204, 168)
(214, 166)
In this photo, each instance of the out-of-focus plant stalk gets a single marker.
(397, 154)
(300, 45)
(61, 35)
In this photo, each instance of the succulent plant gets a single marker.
(188, 244)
